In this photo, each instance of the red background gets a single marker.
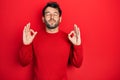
(99, 21)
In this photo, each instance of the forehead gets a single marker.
(51, 10)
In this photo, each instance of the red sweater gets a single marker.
(50, 54)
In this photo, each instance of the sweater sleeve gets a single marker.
(26, 55)
(76, 55)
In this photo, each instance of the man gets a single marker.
(51, 49)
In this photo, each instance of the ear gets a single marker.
(60, 19)
(43, 19)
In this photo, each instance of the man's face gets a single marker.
(51, 18)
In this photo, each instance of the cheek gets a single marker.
(46, 18)
(58, 20)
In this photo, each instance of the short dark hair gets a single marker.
(53, 5)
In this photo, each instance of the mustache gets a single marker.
(52, 19)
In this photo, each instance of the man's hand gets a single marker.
(74, 36)
(27, 36)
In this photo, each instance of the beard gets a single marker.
(52, 25)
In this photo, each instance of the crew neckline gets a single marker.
(51, 34)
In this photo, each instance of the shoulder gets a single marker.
(40, 32)
(63, 33)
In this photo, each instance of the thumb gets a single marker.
(34, 34)
(70, 35)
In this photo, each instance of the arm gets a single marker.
(26, 55)
(76, 55)
(26, 52)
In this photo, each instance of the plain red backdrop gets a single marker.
(99, 22)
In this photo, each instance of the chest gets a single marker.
(53, 48)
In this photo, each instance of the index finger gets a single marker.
(28, 27)
(76, 29)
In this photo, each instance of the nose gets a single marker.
(52, 16)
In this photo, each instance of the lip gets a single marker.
(51, 21)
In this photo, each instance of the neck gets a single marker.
(52, 30)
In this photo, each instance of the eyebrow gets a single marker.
(49, 12)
